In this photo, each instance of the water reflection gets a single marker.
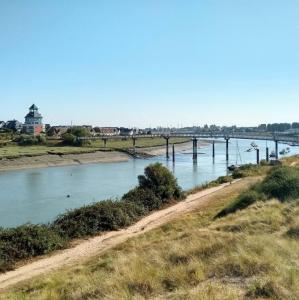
(39, 195)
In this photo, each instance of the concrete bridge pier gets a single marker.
(257, 156)
(227, 153)
(213, 149)
(134, 143)
(167, 146)
(276, 149)
(267, 154)
(194, 149)
(105, 142)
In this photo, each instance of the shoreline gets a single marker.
(50, 160)
(82, 249)
(95, 157)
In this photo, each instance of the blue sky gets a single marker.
(150, 62)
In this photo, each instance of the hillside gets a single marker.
(248, 254)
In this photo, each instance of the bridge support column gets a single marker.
(267, 154)
(276, 149)
(195, 149)
(213, 149)
(173, 153)
(105, 142)
(257, 156)
(134, 143)
(167, 146)
(227, 153)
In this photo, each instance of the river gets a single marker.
(39, 195)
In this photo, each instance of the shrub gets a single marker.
(98, 217)
(293, 231)
(72, 134)
(144, 198)
(27, 241)
(246, 170)
(68, 138)
(282, 183)
(161, 182)
(224, 179)
(28, 140)
(244, 200)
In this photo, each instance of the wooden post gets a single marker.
(257, 156)
(276, 149)
(227, 154)
(267, 154)
(194, 149)
(167, 147)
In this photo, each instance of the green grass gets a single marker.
(246, 255)
(14, 151)
(18, 151)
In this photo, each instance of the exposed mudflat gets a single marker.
(53, 160)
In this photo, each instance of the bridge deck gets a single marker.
(275, 137)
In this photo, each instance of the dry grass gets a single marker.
(247, 255)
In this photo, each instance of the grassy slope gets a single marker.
(245, 255)
(17, 151)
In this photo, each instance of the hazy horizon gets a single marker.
(150, 63)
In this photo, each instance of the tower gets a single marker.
(33, 121)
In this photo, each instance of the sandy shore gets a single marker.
(179, 148)
(44, 161)
(99, 244)
(51, 160)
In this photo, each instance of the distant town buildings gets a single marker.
(34, 126)
(33, 121)
(14, 125)
(2, 124)
(107, 130)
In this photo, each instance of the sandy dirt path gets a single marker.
(96, 245)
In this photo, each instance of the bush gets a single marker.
(68, 139)
(282, 183)
(161, 182)
(224, 179)
(244, 200)
(28, 140)
(25, 242)
(144, 198)
(98, 217)
(71, 138)
(246, 170)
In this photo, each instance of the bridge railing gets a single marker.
(222, 135)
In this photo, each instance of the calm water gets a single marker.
(39, 195)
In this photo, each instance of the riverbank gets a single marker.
(54, 160)
(85, 249)
(179, 148)
(93, 157)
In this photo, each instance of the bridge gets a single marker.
(194, 137)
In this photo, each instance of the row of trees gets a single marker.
(275, 127)
(280, 127)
